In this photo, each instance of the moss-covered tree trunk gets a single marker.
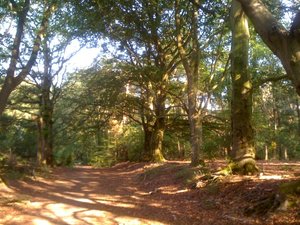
(157, 141)
(159, 124)
(243, 151)
(154, 124)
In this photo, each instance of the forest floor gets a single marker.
(140, 193)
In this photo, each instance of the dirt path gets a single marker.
(84, 195)
(87, 196)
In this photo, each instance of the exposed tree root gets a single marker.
(287, 196)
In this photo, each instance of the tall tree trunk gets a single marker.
(47, 129)
(159, 126)
(243, 151)
(191, 67)
(46, 109)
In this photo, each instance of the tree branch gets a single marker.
(270, 79)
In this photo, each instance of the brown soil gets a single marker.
(136, 193)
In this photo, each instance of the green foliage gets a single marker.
(102, 159)
(132, 140)
(18, 137)
(64, 157)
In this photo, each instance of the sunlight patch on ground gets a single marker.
(63, 182)
(270, 177)
(95, 217)
(155, 204)
(136, 197)
(6, 217)
(135, 221)
(86, 200)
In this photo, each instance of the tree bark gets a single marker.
(147, 153)
(243, 151)
(191, 67)
(153, 121)
(47, 106)
(283, 43)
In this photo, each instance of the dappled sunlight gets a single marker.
(270, 177)
(86, 196)
(40, 222)
(94, 217)
(117, 203)
(84, 200)
(135, 221)
(115, 196)
(155, 204)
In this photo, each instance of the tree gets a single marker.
(190, 60)
(143, 32)
(53, 59)
(18, 69)
(243, 150)
(283, 43)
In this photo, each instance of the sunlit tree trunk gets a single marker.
(243, 151)
(191, 67)
(40, 142)
(266, 153)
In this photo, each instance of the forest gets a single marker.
(204, 92)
